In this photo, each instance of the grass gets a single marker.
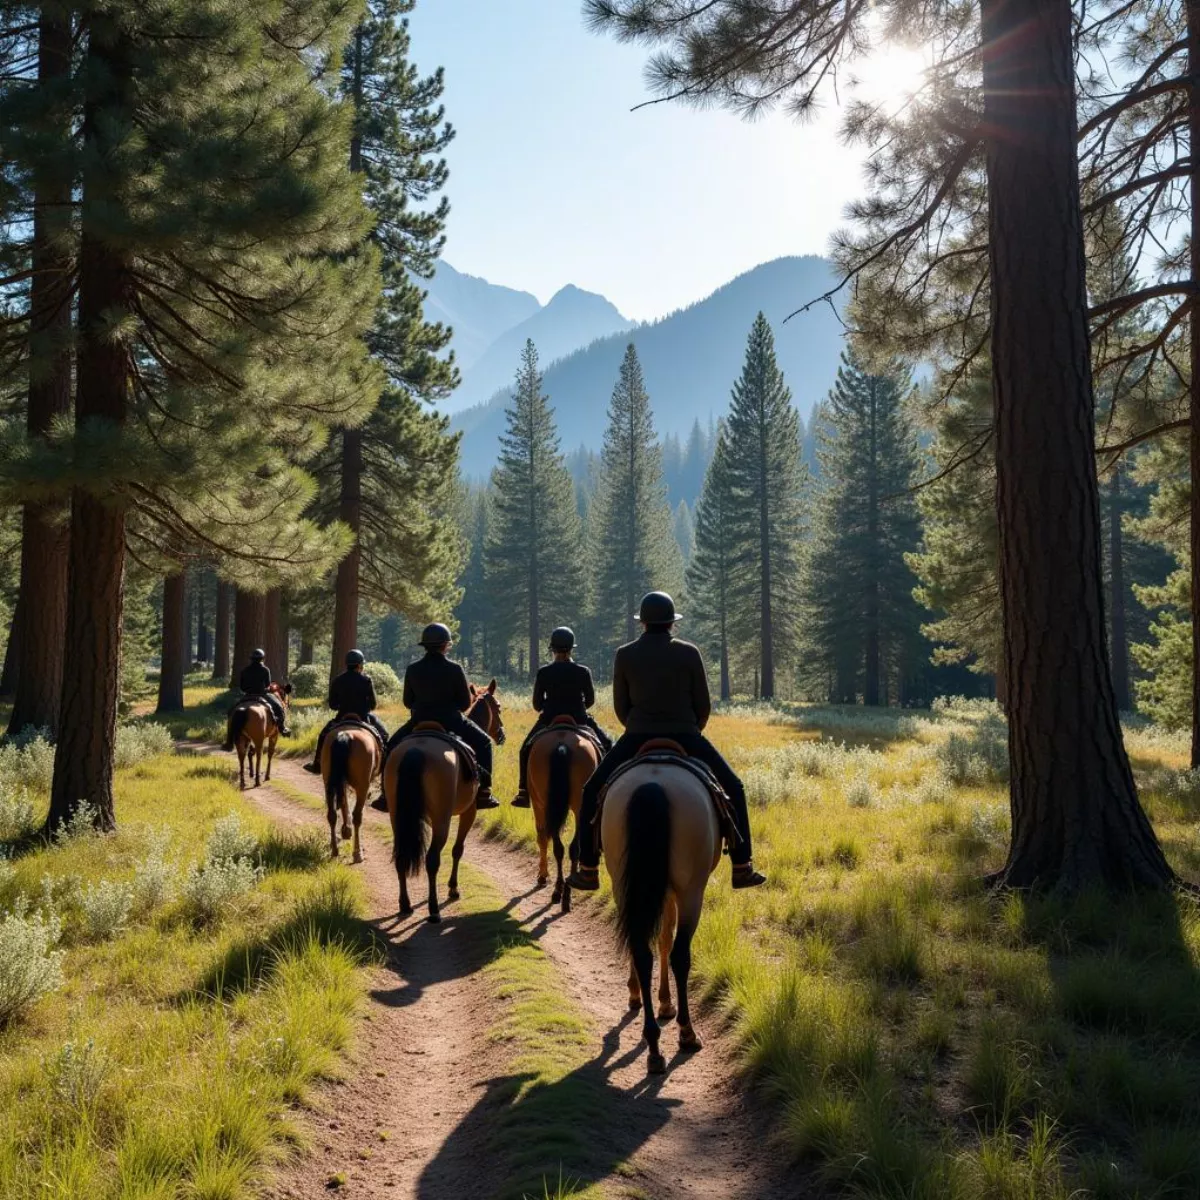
(165, 1064)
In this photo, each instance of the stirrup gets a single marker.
(584, 879)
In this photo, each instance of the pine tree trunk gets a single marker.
(221, 664)
(43, 587)
(174, 643)
(726, 689)
(275, 635)
(306, 653)
(1193, 34)
(1076, 820)
(203, 638)
(8, 677)
(1120, 634)
(871, 660)
(767, 677)
(249, 629)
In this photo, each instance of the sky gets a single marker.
(555, 180)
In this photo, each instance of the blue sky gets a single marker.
(555, 180)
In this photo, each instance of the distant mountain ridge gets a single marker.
(690, 360)
(478, 311)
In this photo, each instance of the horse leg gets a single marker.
(344, 803)
(573, 853)
(543, 842)
(464, 827)
(643, 963)
(681, 964)
(360, 801)
(406, 907)
(559, 883)
(666, 935)
(271, 754)
(257, 752)
(433, 862)
(241, 752)
(635, 990)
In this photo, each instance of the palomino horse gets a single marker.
(350, 758)
(561, 761)
(662, 841)
(251, 727)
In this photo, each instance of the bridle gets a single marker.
(489, 702)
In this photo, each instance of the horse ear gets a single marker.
(492, 688)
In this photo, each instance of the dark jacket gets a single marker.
(563, 689)
(352, 692)
(660, 686)
(435, 689)
(255, 679)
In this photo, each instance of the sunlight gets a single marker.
(892, 76)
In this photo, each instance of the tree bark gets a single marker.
(1193, 34)
(91, 676)
(767, 678)
(174, 643)
(249, 629)
(275, 635)
(8, 677)
(1076, 820)
(221, 634)
(43, 587)
(1116, 575)
(871, 665)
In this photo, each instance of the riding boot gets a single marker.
(521, 799)
(745, 876)
(584, 879)
(484, 798)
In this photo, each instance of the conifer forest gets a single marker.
(927, 515)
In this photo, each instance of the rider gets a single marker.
(563, 688)
(351, 694)
(255, 682)
(660, 689)
(436, 689)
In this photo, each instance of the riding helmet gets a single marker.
(435, 635)
(657, 608)
(562, 639)
(355, 658)
(257, 655)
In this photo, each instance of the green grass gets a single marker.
(187, 1042)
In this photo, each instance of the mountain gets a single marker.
(478, 311)
(573, 319)
(690, 360)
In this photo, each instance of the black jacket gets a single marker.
(435, 689)
(352, 692)
(563, 689)
(255, 679)
(660, 686)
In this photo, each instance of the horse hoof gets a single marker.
(360, 857)
(556, 895)
(657, 1064)
(543, 882)
(566, 901)
(435, 918)
(454, 894)
(688, 1041)
(666, 1013)
(347, 833)
(406, 910)
(635, 1005)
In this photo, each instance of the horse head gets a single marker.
(485, 712)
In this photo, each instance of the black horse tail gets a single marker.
(339, 771)
(408, 823)
(237, 723)
(558, 798)
(647, 862)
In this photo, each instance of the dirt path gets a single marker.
(411, 1118)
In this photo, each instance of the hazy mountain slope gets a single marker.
(690, 360)
(572, 319)
(478, 311)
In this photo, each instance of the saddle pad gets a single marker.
(466, 756)
(353, 722)
(560, 725)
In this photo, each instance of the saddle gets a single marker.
(558, 724)
(668, 752)
(466, 756)
(352, 721)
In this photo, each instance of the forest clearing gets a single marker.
(887, 1025)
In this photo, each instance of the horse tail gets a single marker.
(647, 861)
(237, 723)
(408, 824)
(558, 798)
(339, 770)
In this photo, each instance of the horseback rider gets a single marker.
(563, 688)
(660, 689)
(436, 689)
(255, 682)
(351, 694)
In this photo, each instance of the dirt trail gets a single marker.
(410, 1118)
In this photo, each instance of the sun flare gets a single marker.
(892, 76)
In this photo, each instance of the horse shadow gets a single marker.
(536, 1133)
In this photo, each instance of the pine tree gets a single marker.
(684, 528)
(533, 555)
(710, 574)
(864, 624)
(767, 480)
(634, 545)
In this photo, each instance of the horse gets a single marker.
(561, 761)
(350, 758)
(425, 788)
(252, 725)
(662, 841)
(283, 691)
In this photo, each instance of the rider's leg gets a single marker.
(279, 712)
(521, 800)
(378, 726)
(586, 877)
(314, 767)
(741, 858)
(598, 730)
(479, 741)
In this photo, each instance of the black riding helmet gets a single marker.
(562, 639)
(355, 658)
(657, 608)
(257, 655)
(435, 635)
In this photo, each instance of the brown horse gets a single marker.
(485, 712)
(661, 842)
(251, 726)
(350, 758)
(560, 762)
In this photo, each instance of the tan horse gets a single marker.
(252, 726)
(560, 762)
(661, 843)
(350, 758)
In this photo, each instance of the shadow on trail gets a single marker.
(584, 1126)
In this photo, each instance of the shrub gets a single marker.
(860, 792)
(978, 756)
(104, 909)
(27, 759)
(76, 1074)
(387, 682)
(231, 839)
(309, 682)
(81, 824)
(140, 741)
(30, 966)
(7, 871)
(17, 818)
(154, 879)
(208, 889)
